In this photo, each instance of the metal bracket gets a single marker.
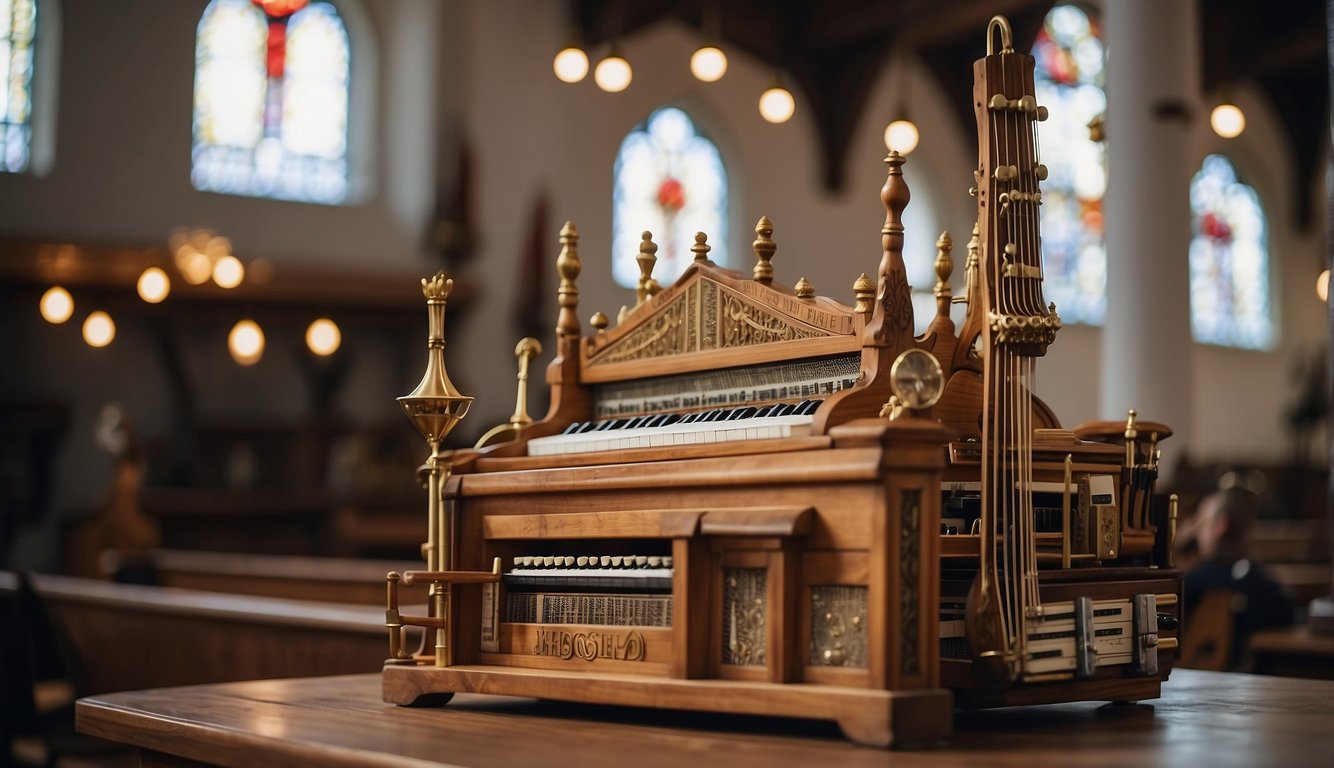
(1146, 635)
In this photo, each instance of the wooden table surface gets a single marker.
(1209, 719)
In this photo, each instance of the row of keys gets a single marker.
(657, 420)
(750, 423)
(593, 561)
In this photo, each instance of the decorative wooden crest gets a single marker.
(711, 313)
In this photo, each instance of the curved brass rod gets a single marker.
(1007, 36)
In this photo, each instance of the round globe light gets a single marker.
(246, 342)
(613, 74)
(901, 136)
(777, 105)
(570, 64)
(99, 329)
(56, 305)
(708, 64)
(1227, 120)
(323, 337)
(153, 285)
(228, 272)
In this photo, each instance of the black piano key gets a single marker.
(575, 427)
(690, 418)
(811, 406)
(588, 426)
(742, 413)
(668, 418)
(764, 411)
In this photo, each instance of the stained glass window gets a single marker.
(271, 100)
(1069, 80)
(669, 180)
(18, 27)
(1229, 260)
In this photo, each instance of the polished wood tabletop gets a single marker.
(1208, 719)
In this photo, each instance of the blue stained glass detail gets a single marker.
(1069, 80)
(18, 33)
(264, 136)
(669, 180)
(1229, 260)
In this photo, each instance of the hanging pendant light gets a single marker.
(613, 74)
(570, 64)
(776, 103)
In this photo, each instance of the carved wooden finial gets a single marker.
(944, 268)
(568, 267)
(764, 251)
(599, 322)
(891, 323)
(804, 289)
(701, 248)
(864, 290)
(647, 257)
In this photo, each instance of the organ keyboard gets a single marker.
(719, 425)
(734, 502)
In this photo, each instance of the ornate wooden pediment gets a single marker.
(710, 313)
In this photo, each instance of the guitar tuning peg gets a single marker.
(1041, 172)
(1042, 114)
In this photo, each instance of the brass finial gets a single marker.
(647, 257)
(804, 289)
(864, 290)
(944, 268)
(764, 251)
(524, 352)
(701, 248)
(599, 322)
(1131, 434)
(568, 266)
(971, 267)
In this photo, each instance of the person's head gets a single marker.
(1224, 521)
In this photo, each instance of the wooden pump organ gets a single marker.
(751, 499)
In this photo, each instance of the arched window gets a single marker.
(669, 180)
(271, 100)
(1069, 81)
(18, 32)
(1229, 260)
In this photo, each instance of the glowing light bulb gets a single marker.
(901, 135)
(708, 63)
(153, 285)
(194, 265)
(613, 74)
(228, 272)
(570, 64)
(1322, 286)
(56, 305)
(777, 105)
(1227, 120)
(99, 329)
(246, 342)
(323, 337)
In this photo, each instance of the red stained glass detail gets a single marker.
(1215, 228)
(672, 195)
(279, 9)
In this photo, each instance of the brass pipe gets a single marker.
(1065, 514)
(393, 621)
(1172, 512)
(442, 633)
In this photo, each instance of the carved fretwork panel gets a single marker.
(703, 315)
(744, 623)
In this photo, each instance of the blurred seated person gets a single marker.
(1217, 537)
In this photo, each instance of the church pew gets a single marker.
(128, 636)
(324, 579)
